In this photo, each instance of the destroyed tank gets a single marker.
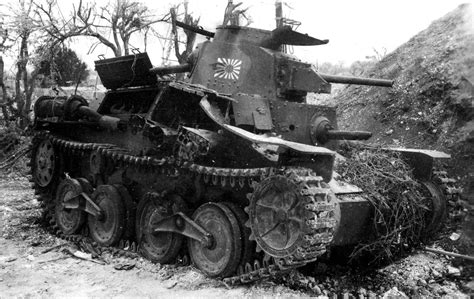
(231, 167)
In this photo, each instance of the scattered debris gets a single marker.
(172, 284)
(53, 248)
(453, 271)
(8, 259)
(83, 256)
(124, 267)
(462, 256)
(53, 260)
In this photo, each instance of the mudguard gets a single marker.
(421, 160)
(215, 114)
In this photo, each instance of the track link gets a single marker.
(314, 245)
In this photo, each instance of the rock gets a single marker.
(316, 290)
(389, 132)
(372, 295)
(454, 236)
(171, 284)
(421, 282)
(453, 271)
(470, 286)
(362, 291)
(394, 293)
(436, 274)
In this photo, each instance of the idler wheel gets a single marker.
(108, 228)
(437, 208)
(223, 256)
(159, 247)
(69, 221)
(44, 163)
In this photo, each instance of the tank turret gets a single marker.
(243, 59)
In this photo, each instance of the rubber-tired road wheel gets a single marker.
(223, 256)
(69, 221)
(159, 247)
(108, 229)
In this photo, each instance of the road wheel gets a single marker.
(69, 221)
(107, 229)
(159, 247)
(223, 256)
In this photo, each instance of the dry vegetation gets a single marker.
(399, 201)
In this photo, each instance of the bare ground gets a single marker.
(26, 271)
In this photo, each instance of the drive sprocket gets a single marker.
(293, 215)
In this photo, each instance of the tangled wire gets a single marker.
(399, 201)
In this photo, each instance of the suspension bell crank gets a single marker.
(181, 224)
(85, 203)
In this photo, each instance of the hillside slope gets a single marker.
(431, 103)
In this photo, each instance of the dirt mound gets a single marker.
(431, 103)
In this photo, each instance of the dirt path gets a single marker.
(25, 271)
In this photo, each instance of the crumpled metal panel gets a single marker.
(252, 110)
(303, 148)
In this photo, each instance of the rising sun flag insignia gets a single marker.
(228, 68)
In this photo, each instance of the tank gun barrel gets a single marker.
(172, 69)
(356, 80)
(322, 131)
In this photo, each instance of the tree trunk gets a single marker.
(21, 98)
(3, 101)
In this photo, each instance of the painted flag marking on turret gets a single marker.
(228, 68)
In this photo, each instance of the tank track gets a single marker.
(264, 267)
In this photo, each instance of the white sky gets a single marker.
(354, 28)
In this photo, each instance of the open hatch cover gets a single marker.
(125, 71)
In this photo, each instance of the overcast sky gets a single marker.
(354, 28)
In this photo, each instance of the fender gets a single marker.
(215, 114)
(421, 160)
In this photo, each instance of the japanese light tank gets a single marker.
(232, 166)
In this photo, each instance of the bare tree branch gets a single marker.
(120, 20)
